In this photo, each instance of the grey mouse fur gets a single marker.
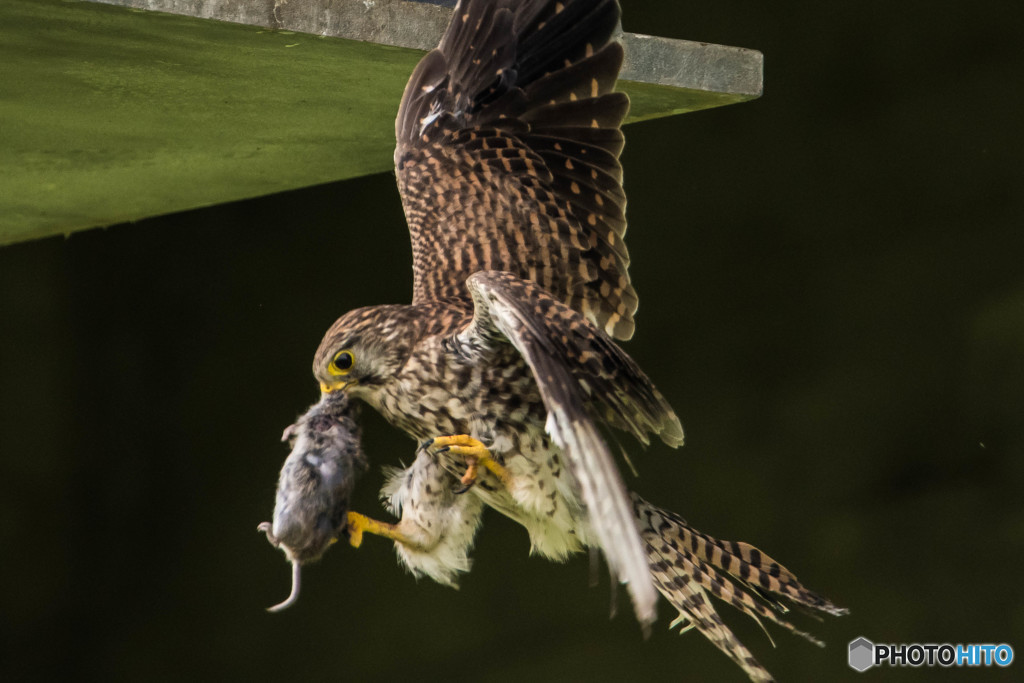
(316, 481)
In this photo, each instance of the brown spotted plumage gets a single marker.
(507, 163)
(507, 156)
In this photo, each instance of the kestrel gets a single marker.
(505, 366)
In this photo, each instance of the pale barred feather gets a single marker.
(683, 566)
(717, 583)
(602, 492)
(744, 563)
(695, 608)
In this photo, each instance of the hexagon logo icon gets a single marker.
(862, 654)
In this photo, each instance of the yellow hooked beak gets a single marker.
(340, 385)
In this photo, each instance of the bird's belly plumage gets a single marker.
(441, 393)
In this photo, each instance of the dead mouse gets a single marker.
(316, 482)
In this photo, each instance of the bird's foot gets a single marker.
(359, 524)
(474, 454)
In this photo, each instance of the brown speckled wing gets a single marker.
(507, 156)
(579, 369)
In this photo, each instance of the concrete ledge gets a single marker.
(115, 113)
(418, 24)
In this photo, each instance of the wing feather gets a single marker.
(576, 367)
(507, 157)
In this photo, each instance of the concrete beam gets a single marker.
(111, 114)
(727, 74)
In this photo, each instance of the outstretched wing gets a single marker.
(507, 156)
(577, 369)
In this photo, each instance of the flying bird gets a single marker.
(505, 367)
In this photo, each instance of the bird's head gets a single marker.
(364, 349)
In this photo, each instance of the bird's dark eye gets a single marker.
(342, 363)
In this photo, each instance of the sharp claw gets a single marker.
(475, 453)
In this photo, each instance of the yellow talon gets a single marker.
(358, 524)
(476, 455)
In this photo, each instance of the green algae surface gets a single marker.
(110, 114)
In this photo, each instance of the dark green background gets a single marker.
(832, 297)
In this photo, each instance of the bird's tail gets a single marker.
(687, 565)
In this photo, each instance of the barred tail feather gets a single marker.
(745, 563)
(687, 565)
(696, 610)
